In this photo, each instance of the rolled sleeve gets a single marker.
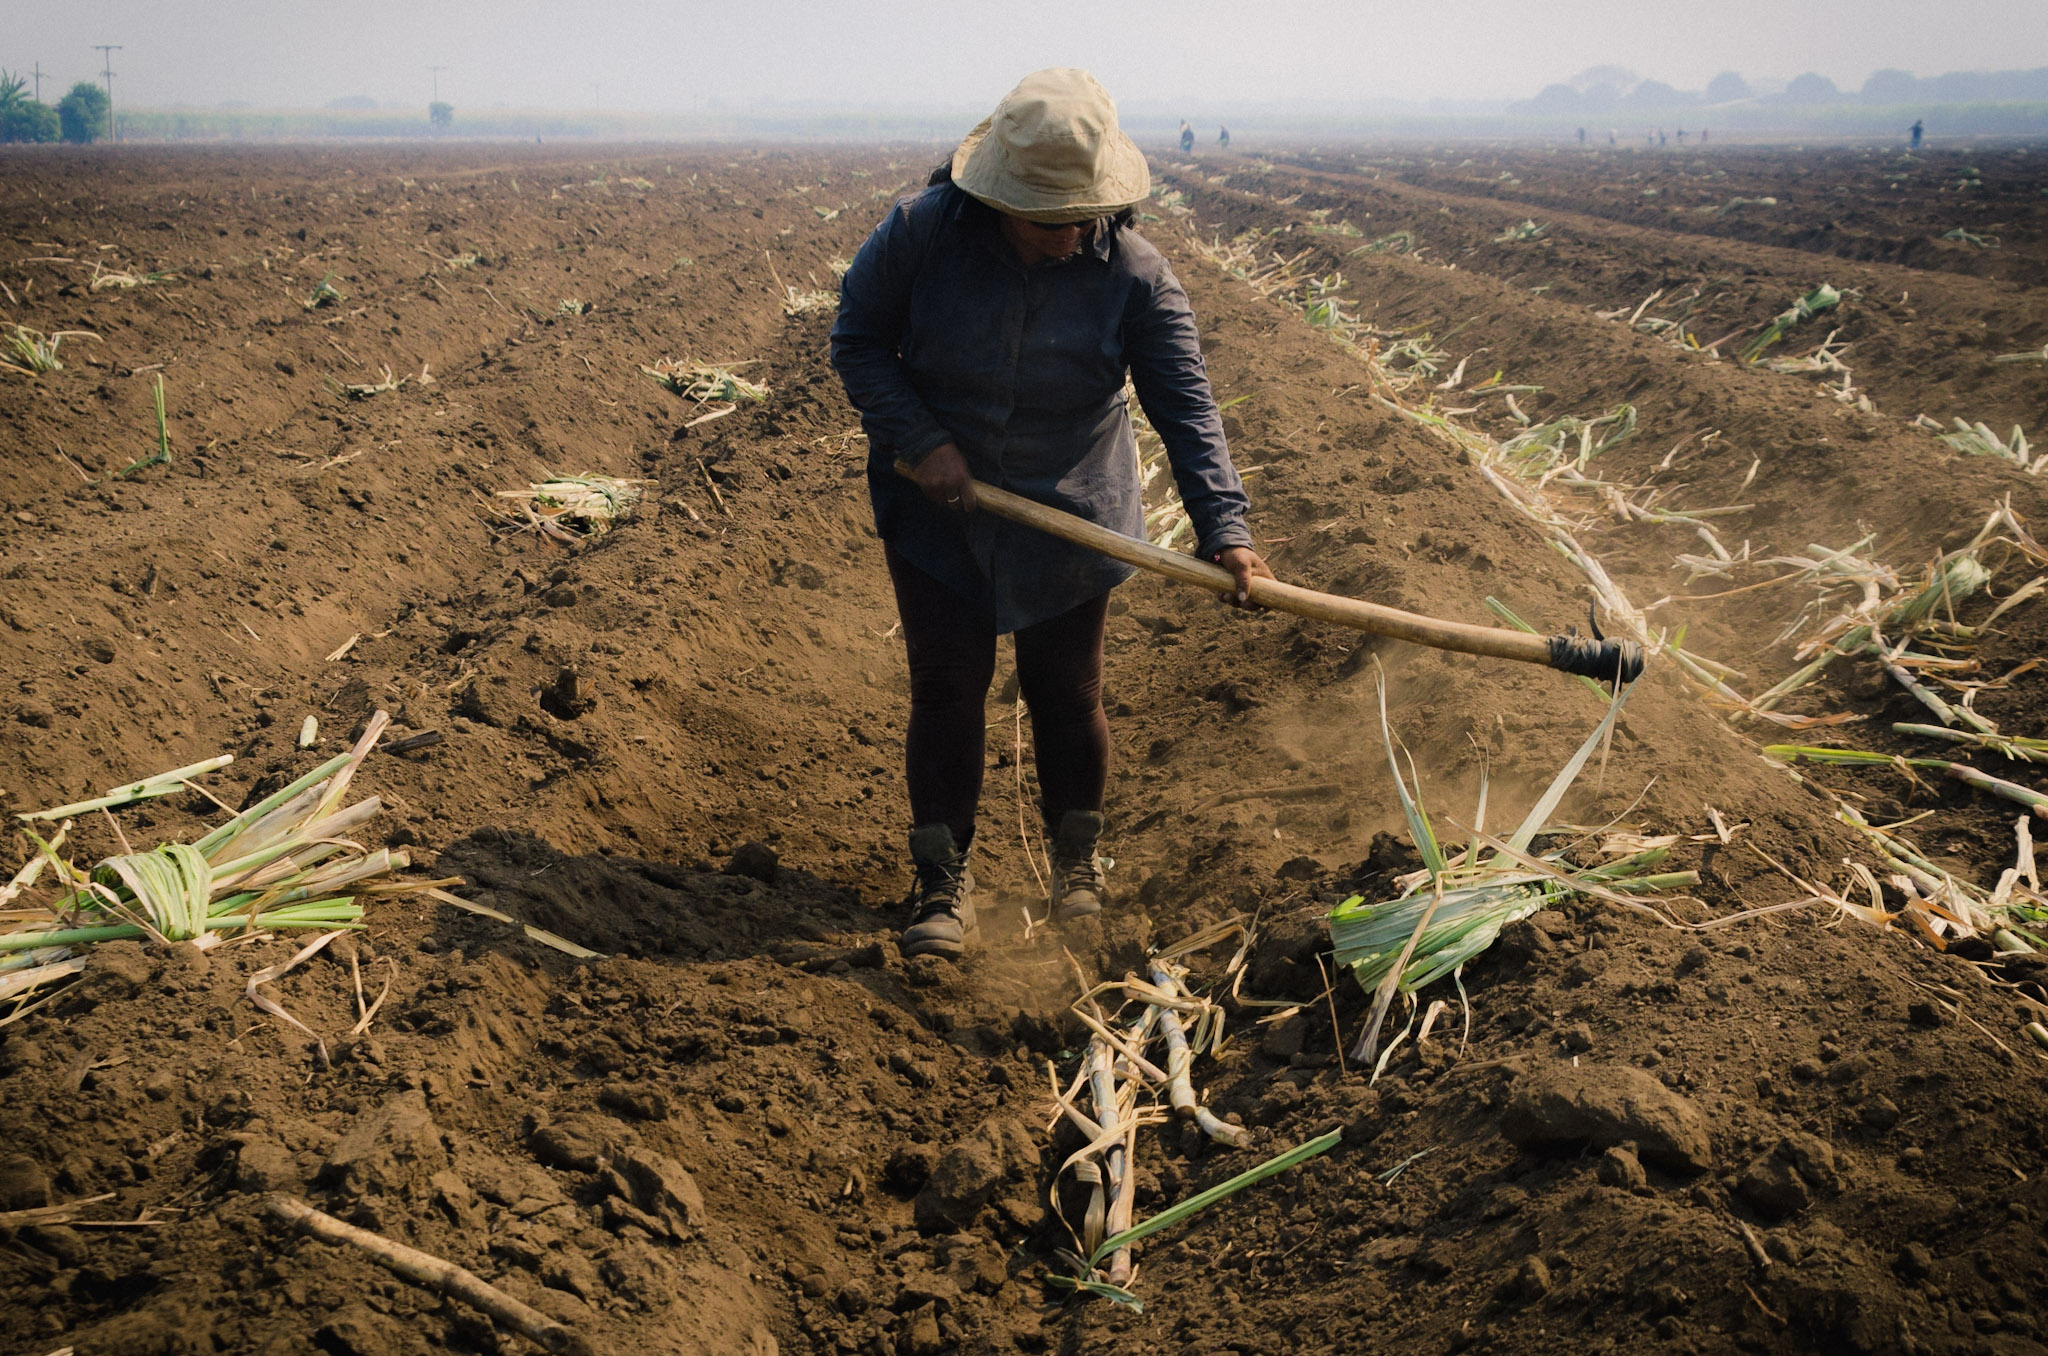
(874, 308)
(1165, 354)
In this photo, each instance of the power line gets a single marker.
(107, 50)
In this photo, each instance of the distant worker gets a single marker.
(1582, 136)
(1919, 130)
(1661, 138)
(1187, 138)
(1703, 136)
(1223, 137)
(1681, 136)
(1613, 137)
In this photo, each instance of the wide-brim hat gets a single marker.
(1052, 151)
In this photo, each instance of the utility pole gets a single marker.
(39, 82)
(107, 50)
(437, 81)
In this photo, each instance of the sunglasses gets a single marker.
(1050, 226)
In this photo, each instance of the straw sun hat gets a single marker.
(1052, 152)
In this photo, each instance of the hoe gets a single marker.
(1596, 656)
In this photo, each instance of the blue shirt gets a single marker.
(943, 334)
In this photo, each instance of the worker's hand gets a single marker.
(1244, 565)
(945, 480)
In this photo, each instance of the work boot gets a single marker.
(1079, 888)
(942, 901)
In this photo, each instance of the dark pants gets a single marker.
(952, 646)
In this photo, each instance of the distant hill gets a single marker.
(1610, 89)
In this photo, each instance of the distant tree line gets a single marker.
(80, 116)
(1604, 90)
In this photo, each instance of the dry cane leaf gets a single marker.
(278, 971)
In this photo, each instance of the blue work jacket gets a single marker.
(942, 334)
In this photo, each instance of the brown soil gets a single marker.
(722, 1137)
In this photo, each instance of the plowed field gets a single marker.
(751, 1126)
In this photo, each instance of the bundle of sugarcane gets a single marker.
(1116, 1092)
(1979, 440)
(1913, 633)
(1884, 608)
(33, 351)
(1455, 907)
(286, 862)
(571, 508)
(1805, 308)
(1940, 906)
(704, 382)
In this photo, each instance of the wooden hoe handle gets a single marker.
(1590, 657)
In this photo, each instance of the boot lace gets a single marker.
(938, 891)
(1083, 872)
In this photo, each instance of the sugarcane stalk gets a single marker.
(1220, 1130)
(310, 839)
(1997, 786)
(334, 912)
(1943, 712)
(1122, 1201)
(1180, 1088)
(1961, 772)
(31, 941)
(225, 832)
(1115, 1192)
(1854, 641)
(1102, 1091)
(2012, 746)
(162, 784)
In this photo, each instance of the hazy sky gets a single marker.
(1191, 55)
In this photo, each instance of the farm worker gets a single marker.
(986, 330)
(1919, 128)
(1223, 136)
(1187, 137)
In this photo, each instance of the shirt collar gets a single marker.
(1098, 242)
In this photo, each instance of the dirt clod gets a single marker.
(756, 861)
(24, 1185)
(575, 1143)
(1619, 1167)
(387, 1151)
(996, 1162)
(1559, 1107)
